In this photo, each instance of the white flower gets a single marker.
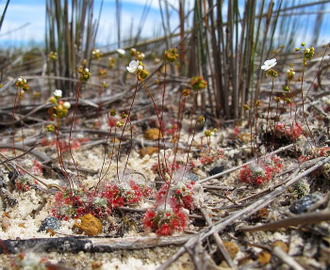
(57, 93)
(140, 67)
(133, 66)
(20, 79)
(121, 52)
(67, 105)
(86, 69)
(268, 64)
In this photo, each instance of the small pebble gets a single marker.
(5, 223)
(88, 224)
(304, 203)
(49, 223)
(152, 134)
(191, 176)
(216, 170)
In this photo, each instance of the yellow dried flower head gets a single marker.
(50, 128)
(186, 92)
(104, 85)
(133, 52)
(201, 119)
(288, 100)
(207, 133)
(140, 56)
(291, 74)
(85, 75)
(171, 55)
(97, 54)
(120, 123)
(52, 55)
(286, 88)
(22, 83)
(143, 74)
(102, 72)
(198, 83)
(112, 62)
(277, 99)
(112, 112)
(309, 53)
(123, 115)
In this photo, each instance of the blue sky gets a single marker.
(21, 12)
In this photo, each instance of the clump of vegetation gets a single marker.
(164, 220)
(75, 203)
(261, 172)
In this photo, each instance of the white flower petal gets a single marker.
(58, 93)
(268, 64)
(121, 51)
(130, 70)
(133, 66)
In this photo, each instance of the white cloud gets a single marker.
(20, 14)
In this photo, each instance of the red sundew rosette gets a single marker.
(165, 223)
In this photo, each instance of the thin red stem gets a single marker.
(20, 120)
(256, 134)
(159, 121)
(110, 158)
(122, 133)
(268, 110)
(105, 153)
(177, 134)
(192, 139)
(59, 154)
(72, 124)
(131, 145)
(161, 133)
(13, 113)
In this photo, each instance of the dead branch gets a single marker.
(77, 244)
(303, 219)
